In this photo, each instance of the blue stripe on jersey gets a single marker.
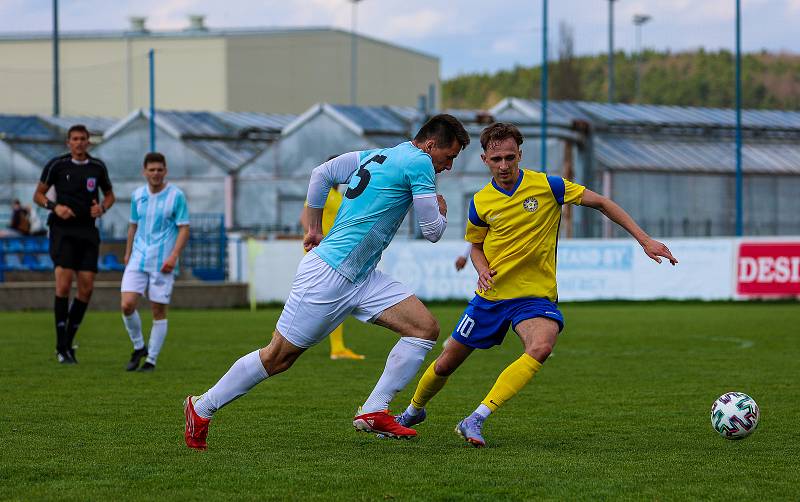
(140, 194)
(158, 224)
(473, 215)
(557, 187)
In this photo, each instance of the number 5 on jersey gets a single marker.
(363, 177)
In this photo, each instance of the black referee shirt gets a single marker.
(77, 186)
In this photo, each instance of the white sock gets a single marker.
(245, 374)
(157, 335)
(411, 411)
(402, 364)
(134, 326)
(483, 411)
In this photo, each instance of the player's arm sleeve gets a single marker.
(565, 191)
(181, 210)
(47, 173)
(421, 177)
(573, 192)
(104, 182)
(477, 228)
(431, 222)
(134, 211)
(337, 170)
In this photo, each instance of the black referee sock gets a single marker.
(61, 311)
(76, 312)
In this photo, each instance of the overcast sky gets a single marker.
(467, 35)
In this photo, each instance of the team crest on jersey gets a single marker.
(91, 184)
(530, 204)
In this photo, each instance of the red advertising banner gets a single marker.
(768, 269)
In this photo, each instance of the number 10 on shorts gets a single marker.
(464, 327)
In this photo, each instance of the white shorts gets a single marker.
(157, 284)
(321, 298)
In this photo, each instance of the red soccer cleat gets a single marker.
(196, 427)
(381, 422)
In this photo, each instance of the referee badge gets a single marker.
(530, 204)
(91, 184)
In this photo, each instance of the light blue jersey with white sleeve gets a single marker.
(377, 199)
(157, 216)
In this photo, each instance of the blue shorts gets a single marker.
(485, 323)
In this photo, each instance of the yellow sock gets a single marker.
(337, 339)
(428, 386)
(511, 381)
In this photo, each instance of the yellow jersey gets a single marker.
(332, 204)
(519, 232)
(330, 210)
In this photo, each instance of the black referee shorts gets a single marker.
(74, 251)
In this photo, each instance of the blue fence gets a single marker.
(205, 253)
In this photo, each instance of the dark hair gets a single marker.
(78, 128)
(444, 129)
(154, 157)
(499, 131)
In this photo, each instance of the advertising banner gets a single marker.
(768, 269)
(595, 269)
(587, 269)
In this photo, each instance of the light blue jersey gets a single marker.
(375, 203)
(157, 217)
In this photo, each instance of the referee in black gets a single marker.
(74, 239)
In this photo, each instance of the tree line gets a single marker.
(699, 78)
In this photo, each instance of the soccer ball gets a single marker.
(734, 415)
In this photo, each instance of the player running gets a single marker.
(513, 225)
(338, 277)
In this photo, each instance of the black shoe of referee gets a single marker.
(136, 358)
(64, 357)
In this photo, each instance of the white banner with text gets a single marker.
(587, 269)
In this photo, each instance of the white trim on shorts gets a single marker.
(321, 298)
(158, 285)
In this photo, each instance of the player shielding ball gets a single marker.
(157, 233)
(338, 277)
(513, 225)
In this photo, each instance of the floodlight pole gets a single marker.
(544, 88)
(610, 51)
(151, 57)
(56, 90)
(354, 55)
(638, 21)
(739, 181)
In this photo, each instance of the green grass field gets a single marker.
(621, 411)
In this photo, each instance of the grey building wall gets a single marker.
(292, 71)
(273, 71)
